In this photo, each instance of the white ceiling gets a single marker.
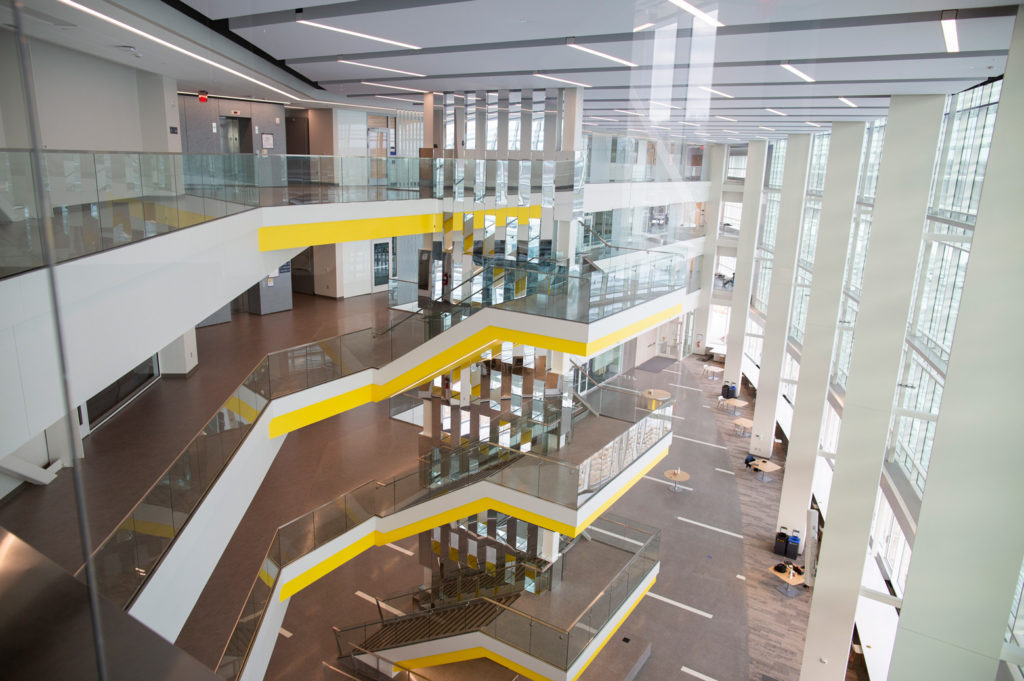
(866, 51)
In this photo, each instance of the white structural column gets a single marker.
(776, 326)
(904, 180)
(750, 222)
(712, 216)
(953, 628)
(837, 207)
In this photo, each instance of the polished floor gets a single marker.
(714, 610)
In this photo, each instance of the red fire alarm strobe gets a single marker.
(203, 95)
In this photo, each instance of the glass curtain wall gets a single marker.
(942, 264)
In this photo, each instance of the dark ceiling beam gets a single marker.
(340, 9)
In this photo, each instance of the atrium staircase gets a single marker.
(450, 620)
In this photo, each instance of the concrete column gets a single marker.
(433, 121)
(776, 327)
(502, 123)
(481, 123)
(526, 122)
(750, 221)
(837, 209)
(552, 120)
(180, 356)
(904, 181)
(572, 119)
(952, 625)
(712, 212)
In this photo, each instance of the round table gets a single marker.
(676, 476)
(653, 397)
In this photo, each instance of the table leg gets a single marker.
(788, 590)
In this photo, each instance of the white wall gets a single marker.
(118, 308)
(85, 103)
(598, 197)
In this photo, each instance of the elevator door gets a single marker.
(235, 135)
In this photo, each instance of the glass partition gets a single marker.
(558, 646)
(438, 472)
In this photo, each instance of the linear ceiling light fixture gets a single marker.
(716, 92)
(847, 102)
(948, 21)
(571, 42)
(777, 113)
(382, 68)
(698, 14)
(642, 27)
(797, 72)
(398, 99)
(623, 111)
(561, 80)
(357, 34)
(731, 132)
(726, 118)
(171, 46)
(602, 118)
(395, 87)
(817, 125)
(692, 125)
(667, 106)
(761, 127)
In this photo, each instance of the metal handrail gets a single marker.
(167, 470)
(399, 665)
(600, 385)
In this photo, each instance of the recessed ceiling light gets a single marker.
(642, 27)
(692, 125)
(357, 34)
(948, 21)
(398, 99)
(817, 125)
(726, 118)
(764, 128)
(631, 113)
(777, 113)
(797, 72)
(561, 80)
(716, 92)
(601, 118)
(395, 87)
(382, 68)
(699, 14)
(172, 46)
(734, 132)
(847, 102)
(599, 53)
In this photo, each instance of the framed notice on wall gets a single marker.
(268, 140)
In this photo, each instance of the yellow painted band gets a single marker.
(237, 406)
(152, 529)
(277, 237)
(622, 490)
(615, 629)
(470, 654)
(266, 578)
(451, 357)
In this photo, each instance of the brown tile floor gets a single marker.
(743, 638)
(129, 453)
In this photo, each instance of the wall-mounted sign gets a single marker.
(236, 112)
(268, 140)
(174, 130)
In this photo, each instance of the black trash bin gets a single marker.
(793, 547)
(725, 390)
(781, 541)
